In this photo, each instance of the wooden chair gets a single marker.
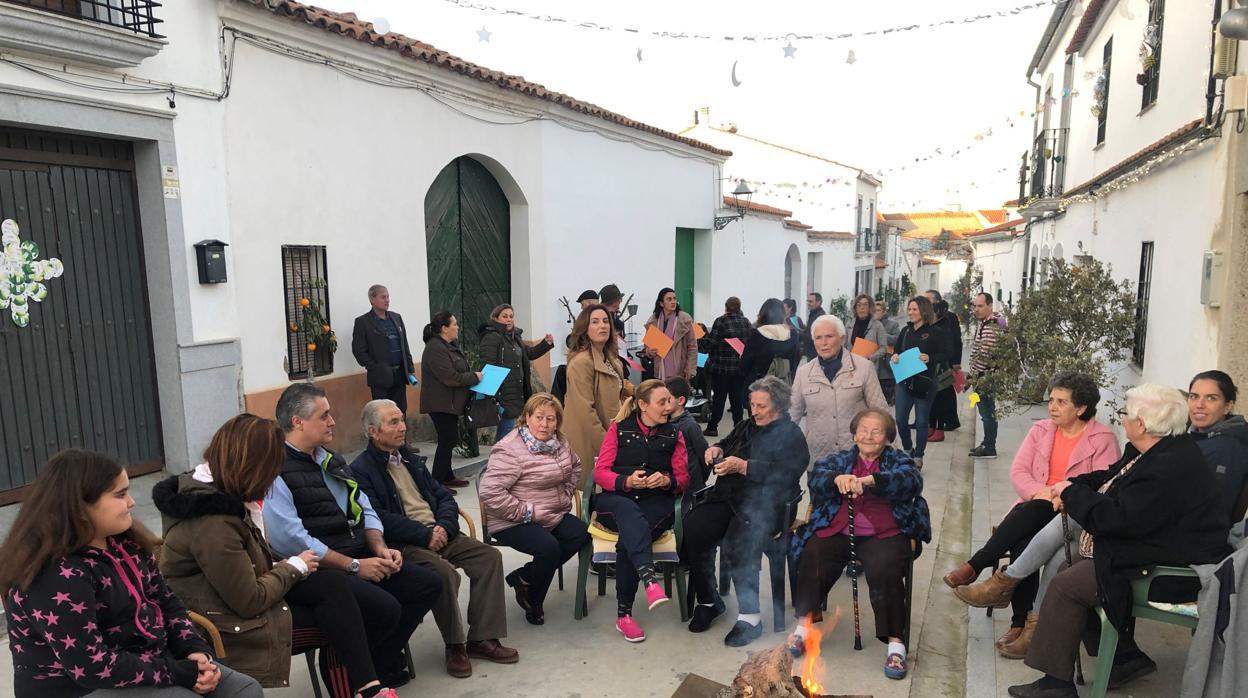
(601, 551)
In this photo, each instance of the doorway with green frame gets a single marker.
(684, 276)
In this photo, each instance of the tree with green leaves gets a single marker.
(964, 289)
(1079, 319)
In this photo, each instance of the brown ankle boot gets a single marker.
(994, 592)
(1010, 636)
(1018, 648)
(963, 575)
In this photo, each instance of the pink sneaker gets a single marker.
(655, 596)
(385, 693)
(629, 629)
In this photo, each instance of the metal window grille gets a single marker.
(1103, 119)
(1143, 291)
(137, 16)
(1152, 76)
(302, 265)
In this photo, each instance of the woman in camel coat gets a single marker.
(596, 386)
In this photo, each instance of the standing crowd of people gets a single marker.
(285, 546)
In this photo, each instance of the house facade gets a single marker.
(312, 158)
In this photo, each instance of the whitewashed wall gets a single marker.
(1001, 260)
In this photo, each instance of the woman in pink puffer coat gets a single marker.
(526, 496)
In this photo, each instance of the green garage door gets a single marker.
(684, 269)
(468, 238)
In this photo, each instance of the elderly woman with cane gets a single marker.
(884, 509)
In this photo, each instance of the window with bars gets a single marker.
(137, 16)
(1103, 118)
(1151, 76)
(304, 275)
(1142, 293)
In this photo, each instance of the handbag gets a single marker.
(944, 378)
(482, 412)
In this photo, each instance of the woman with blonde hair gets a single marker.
(642, 466)
(527, 491)
(596, 384)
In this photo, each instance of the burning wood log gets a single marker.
(767, 674)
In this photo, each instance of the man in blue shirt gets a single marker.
(316, 505)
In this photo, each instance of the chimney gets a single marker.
(695, 117)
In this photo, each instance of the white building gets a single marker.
(823, 193)
(317, 150)
(1130, 167)
(935, 246)
(998, 256)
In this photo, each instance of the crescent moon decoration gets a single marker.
(735, 81)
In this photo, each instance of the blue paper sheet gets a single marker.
(491, 379)
(702, 359)
(908, 365)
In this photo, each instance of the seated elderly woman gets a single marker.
(1158, 505)
(886, 510)
(1069, 443)
(526, 493)
(833, 388)
(758, 467)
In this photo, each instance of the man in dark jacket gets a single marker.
(422, 518)
(316, 505)
(814, 308)
(379, 344)
(724, 364)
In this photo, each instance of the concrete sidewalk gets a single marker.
(573, 658)
(991, 674)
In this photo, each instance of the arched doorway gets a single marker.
(792, 273)
(468, 245)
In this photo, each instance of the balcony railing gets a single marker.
(868, 241)
(137, 16)
(1043, 171)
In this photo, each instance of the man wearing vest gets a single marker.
(422, 518)
(316, 505)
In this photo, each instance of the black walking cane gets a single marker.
(853, 574)
(1066, 544)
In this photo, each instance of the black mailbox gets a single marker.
(210, 258)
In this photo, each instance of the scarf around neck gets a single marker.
(548, 446)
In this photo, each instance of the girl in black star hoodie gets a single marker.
(88, 610)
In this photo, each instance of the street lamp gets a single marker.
(741, 190)
(1234, 24)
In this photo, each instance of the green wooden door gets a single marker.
(468, 238)
(684, 269)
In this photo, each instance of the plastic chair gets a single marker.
(491, 540)
(1140, 608)
(601, 551)
(778, 564)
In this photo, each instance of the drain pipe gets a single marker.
(1211, 92)
(1035, 132)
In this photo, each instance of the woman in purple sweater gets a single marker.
(89, 613)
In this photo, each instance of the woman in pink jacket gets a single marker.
(526, 492)
(1071, 442)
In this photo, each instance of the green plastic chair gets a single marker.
(1140, 608)
(670, 569)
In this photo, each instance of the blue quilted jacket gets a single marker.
(898, 480)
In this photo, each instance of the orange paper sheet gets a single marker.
(656, 340)
(864, 347)
(698, 332)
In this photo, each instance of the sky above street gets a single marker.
(949, 97)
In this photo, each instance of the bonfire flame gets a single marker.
(812, 666)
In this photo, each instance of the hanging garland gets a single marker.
(1148, 51)
(22, 273)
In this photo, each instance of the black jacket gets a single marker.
(777, 455)
(369, 469)
(445, 378)
(1164, 512)
(1225, 447)
(760, 349)
(931, 340)
(807, 343)
(371, 349)
(695, 446)
(723, 358)
(507, 349)
(316, 506)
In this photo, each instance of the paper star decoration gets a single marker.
(851, 58)
(22, 274)
(638, 55)
(483, 34)
(790, 50)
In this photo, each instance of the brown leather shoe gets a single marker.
(494, 651)
(994, 592)
(457, 663)
(963, 575)
(935, 436)
(455, 482)
(1010, 636)
(1018, 648)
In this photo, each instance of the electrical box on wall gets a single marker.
(1212, 279)
(210, 258)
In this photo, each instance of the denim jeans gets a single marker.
(505, 425)
(988, 412)
(922, 415)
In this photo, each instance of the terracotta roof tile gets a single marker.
(1185, 131)
(731, 202)
(1008, 225)
(348, 25)
(929, 224)
(816, 235)
(796, 225)
(1090, 13)
(995, 216)
(927, 261)
(881, 264)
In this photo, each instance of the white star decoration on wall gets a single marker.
(22, 273)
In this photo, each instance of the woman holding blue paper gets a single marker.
(445, 380)
(918, 391)
(502, 344)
